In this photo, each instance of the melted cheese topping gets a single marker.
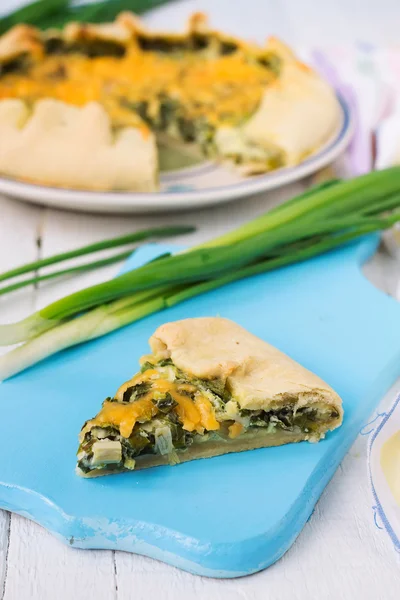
(195, 415)
(223, 89)
(207, 415)
(124, 416)
(235, 430)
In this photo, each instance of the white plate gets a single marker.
(386, 496)
(193, 187)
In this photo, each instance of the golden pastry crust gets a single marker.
(18, 41)
(297, 114)
(66, 146)
(259, 376)
(126, 27)
(112, 32)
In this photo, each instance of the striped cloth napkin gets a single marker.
(368, 78)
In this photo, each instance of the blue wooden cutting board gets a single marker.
(222, 517)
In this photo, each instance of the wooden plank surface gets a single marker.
(341, 552)
(19, 227)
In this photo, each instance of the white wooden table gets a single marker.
(340, 552)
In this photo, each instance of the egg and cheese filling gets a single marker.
(164, 411)
(187, 94)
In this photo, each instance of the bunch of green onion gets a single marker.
(317, 221)
(56, 13)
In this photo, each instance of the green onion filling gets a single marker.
(104, 448)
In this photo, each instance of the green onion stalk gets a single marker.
(57, 13)
(154, 233)
(321, 219)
